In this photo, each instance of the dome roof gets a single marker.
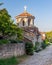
(25, 14)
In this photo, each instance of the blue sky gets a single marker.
(41, 9)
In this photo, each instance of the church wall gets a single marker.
(40, 39)
(20, 24)
(20, 21)
(31, 22)
(34, 40)
(26, 21)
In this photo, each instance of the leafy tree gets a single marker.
(7, 26)
(49, 36)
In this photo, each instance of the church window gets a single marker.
(29, 22)
(23, 23)
(33, 22)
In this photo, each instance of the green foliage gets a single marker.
(47, 42)
(7, 26)
(13, 41)
(51, 40)
(19, 34)
(49, 36)
(9, 61)
(43, 45)
(29, 48)
(4, 41)
(16, 41)
(20, 41)
(37, 47)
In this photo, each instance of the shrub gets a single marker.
(9, 61)
(20, 41)
(43, 45)
(13, 41)
(16, 41)
(29, 48)
(37, 47)
(47, 42)
(4, 41)
(51, 40)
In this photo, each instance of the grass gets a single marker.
(9, 61)
(13, 60)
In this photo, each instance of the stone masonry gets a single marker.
(8, 50)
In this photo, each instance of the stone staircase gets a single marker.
(28, 37)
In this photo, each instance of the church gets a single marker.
(31, 33)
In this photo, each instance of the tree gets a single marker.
(7, 26)
(49, 36)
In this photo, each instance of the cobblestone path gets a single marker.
(42, 58)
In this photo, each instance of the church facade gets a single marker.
(31, 33)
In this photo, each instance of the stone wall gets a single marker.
(8, 50)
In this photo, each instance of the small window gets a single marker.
(29, 22)
(23, 23)
(33, 22)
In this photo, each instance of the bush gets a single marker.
(16, 41)
(9, 61)
(29, 48)
(13, 41)
(50, 40)
(4, 41)
(19, 41)
(37, 47)
(43, 45)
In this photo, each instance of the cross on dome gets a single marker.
(25, 8)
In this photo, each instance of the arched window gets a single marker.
(23, 23)
(29, 22)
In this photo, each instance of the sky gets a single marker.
(41, 9)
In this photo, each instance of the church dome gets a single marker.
(25, 14)
(25, 19)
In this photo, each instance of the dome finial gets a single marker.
(25, 8)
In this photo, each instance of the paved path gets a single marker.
(42, 58)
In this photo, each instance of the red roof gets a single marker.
(25, 14)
